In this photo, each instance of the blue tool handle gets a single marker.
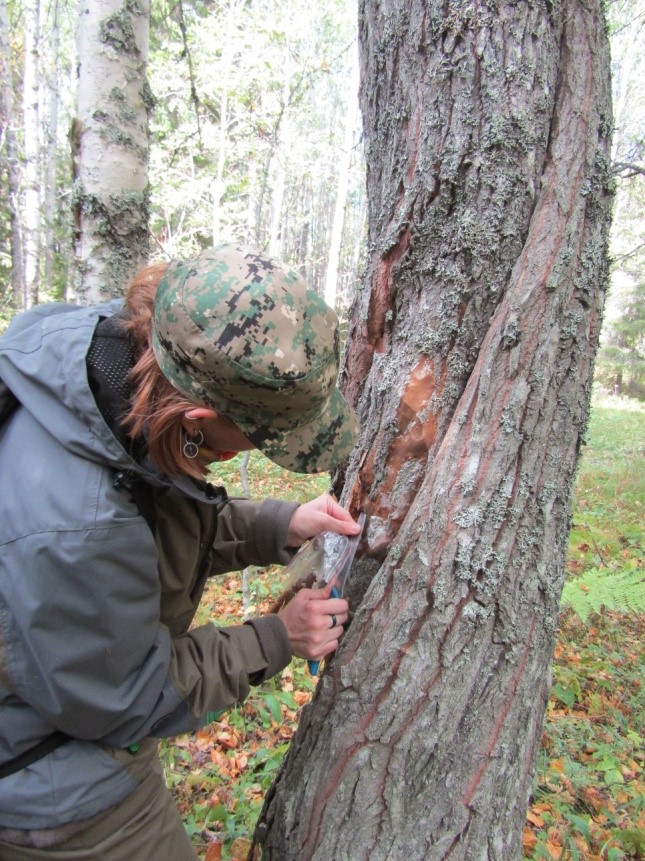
(315, 665)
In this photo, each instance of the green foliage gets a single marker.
(588, 800)
(599, 589)
(249, 120)
(621, 360)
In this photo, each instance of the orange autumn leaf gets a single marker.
(535, 819)
(241, 761)
(594, 798)
(529, 840)
(240, 849)
(214, 852)
(553, 850)
(228, 740)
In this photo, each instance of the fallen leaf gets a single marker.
(529, 840)
(214, 852)
(240, 849)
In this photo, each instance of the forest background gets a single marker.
(255, 136)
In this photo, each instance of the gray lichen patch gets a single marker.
(119, 225)
(117, 29)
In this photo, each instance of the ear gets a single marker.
(197, 413)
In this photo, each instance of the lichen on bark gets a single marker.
(119, 224)
(117, 30)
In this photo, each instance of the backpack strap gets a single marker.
(33, 754)
(142, 494)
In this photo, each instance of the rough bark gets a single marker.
(109, 140)
(487, 131)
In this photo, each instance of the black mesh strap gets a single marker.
(47, 745)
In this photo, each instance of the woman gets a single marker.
(108, 533)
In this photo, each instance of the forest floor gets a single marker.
(588, 799)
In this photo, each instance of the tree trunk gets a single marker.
(31, 149)
(50, 192)
(281, 158)
(232, 15)
(487, 132)
(8, 134)
(331, 277)
(110, 146)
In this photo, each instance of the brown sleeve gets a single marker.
(213, 668)
(249, 533)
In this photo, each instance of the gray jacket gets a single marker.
(95, 610)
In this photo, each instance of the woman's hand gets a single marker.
(309, 619)
(323, 514)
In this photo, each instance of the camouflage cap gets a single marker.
(242, 333)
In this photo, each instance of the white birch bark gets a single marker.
(111, 138)
(31, 153)
(50, 192)
(8, 141)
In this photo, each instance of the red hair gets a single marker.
(157, 408)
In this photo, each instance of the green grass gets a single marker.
(609, 501)
(589, 796)
(588, 800)
(266, 479)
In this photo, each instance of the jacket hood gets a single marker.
(43, 363)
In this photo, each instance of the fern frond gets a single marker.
(622, 590)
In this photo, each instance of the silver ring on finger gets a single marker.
(334, 620)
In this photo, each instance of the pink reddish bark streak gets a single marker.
(499, 723)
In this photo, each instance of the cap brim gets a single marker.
(319, 445)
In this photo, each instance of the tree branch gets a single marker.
(622, 257)
(632, 169)
(186, 53)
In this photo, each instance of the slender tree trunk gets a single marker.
(8, 137)
(110, 145)
(31, 151)
(219, 186)
(51, 189)
(280, 160)
(331, 278)
(470, 360)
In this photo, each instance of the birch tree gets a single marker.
(31, 154)
(110, 145)
(51, 195)
(487, 130)
(10, 147)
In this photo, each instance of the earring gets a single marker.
(192, 444)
